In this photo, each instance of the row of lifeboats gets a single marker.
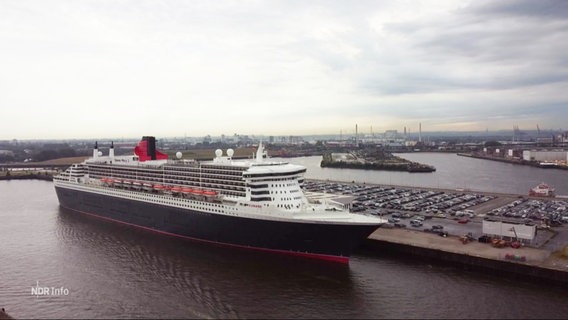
(137, 185)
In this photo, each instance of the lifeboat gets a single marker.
(159, 187)
(197, 191)
(187, 190)
(107, 181)
(147, 186)
(209, 193)
(127, 183)
(176, 189)
(136, 185)
(117, 182)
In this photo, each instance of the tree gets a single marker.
(492, 143)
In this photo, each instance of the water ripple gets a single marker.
(115, 271)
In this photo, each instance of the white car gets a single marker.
(416, 223)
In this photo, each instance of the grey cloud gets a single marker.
(552, 9)
(494, 43)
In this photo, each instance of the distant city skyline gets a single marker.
(75, 69)
(499, 135)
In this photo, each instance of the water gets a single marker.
(112, 271)
(452, 172)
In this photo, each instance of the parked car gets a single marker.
(463, 220)
(416, 223)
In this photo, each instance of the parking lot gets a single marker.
(453, 212)
(387, 199)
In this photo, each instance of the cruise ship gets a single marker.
(253, 203)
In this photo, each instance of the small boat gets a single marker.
(542, 190)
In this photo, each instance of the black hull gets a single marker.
(333, 242)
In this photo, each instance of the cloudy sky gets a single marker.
(120, 68)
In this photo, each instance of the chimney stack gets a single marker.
(96, 150)
(111, 151)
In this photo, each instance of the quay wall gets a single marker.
(30, 176)
(495, 266)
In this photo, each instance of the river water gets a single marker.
(452, 172)
(97, 269)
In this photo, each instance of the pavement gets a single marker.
(452, 243)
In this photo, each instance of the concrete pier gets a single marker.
(537, 264)
(544, 257)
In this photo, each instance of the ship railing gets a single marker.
(184, 162)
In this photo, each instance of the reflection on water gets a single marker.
(190, 277)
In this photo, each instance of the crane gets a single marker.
(515, 244)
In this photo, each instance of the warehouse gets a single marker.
(509, 230)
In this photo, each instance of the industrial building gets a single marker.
(545, 156)
(509, 230)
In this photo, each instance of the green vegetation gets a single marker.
(492, 144)
(372, 160)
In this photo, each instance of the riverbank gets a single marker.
(513, 161)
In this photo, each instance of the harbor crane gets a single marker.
(515, 244)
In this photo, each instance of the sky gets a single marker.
(128, 68)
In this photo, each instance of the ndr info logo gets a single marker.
(49, 291)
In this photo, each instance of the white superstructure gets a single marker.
(258, 188)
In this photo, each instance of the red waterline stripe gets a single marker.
(324, 257)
